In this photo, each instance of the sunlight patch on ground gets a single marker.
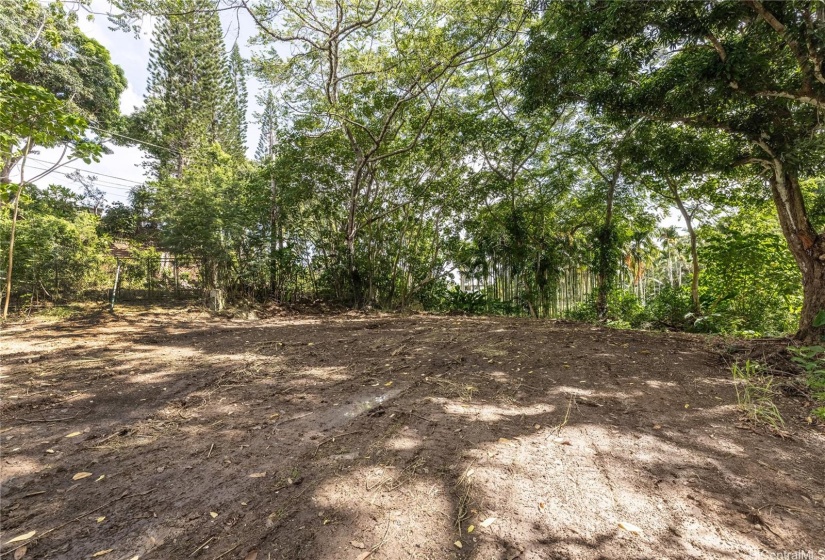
(325, 373)
(657, 384)
(566, 390)
(490, 412)
(404, 442)
(16, 465)
(368, 497)
(582, 493)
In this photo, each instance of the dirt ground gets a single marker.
(389, 437)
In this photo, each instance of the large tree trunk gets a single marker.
(807, 247)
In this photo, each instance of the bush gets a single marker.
(624, 310)
(467, 302)
(671, 307)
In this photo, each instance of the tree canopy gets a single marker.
(481, 156)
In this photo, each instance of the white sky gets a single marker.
(121, 170)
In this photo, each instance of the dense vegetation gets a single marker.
(474, 156)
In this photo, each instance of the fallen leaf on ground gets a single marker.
(541, 506)
(102, 552)
(23, 537)
(73, 434)
(20, 553)
(251, 555)
(457, 544)
(257, 475)
(101, 477)
(213, 514)
(471, 528)
(364, 555)
(630, 527)
(50, 451)
(357, 544)
(388, 384)
(503, 440)
(80, 475)
(100, 519)
(487, 522)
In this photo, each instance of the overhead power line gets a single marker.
(103, 183)
(87, 171)
(110, 133)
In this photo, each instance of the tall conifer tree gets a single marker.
(266, 144)
(235, 114)
(189, 89)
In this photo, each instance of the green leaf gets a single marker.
(819, 320)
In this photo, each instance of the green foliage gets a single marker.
(195, 95)
(54, 80)
(466, 302)
(395, 149)
(812, 360)
(211, 213)
(30, 115)
(624, 310)
(119, 220)
(58, 252)
(750, 280)
(671, 307)
(744, 70)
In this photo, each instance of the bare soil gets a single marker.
(389, 437)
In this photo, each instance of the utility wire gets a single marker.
(87, 171)
(133, 139)
(103, 183)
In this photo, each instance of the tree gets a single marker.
(268, 121)
(44, 48)
(751, 70)
(32, 116)
(601, 148)
(192, 98)
(689, 169)
(381, 98)
(514, 194)
(265, 154)
(58, 252)
(54, 82)
(235, 120)
(209, 212)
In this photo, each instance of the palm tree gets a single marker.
(669, 236)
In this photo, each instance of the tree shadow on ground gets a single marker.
(334, 437)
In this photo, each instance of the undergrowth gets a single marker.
(754, 394)
(812, 360)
